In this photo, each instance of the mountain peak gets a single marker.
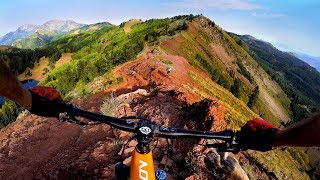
(249, 37)
(50, 28)
(60, 25)
(27, 27)
(58, 21)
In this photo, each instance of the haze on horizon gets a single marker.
(288, 25)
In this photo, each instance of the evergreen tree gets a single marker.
(253, 97)
(235, 89)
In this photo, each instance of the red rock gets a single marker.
(128, 151)
(127, 161)
(51, 144)
(132, 143)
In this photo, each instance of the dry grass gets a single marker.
(37, 70)
(270, 92)
(3, 48)
(127, 26)
(225, 58)
(237, 113)
(65, 58)
(281, 163)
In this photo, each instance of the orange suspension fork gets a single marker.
(142, 167)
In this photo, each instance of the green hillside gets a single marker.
(238, 77)
(98, 53)
(207, 47)
(300, 81)
(202, 43)
(43, 34)
(35, 40)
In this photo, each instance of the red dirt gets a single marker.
(36, 147)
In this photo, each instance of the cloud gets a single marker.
(217, 4)
(267, 15)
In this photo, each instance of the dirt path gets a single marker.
(37, 147)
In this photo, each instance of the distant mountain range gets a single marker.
(311, 60)
(21, 32)
(31, 36)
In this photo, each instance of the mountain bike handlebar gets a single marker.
(147, 127)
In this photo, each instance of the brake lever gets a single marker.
(141, 119)
(229, 145)
(70, 117)
(225, 147)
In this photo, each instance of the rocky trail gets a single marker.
(36, 147)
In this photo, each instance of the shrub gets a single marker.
(253, 97)
(242, 70)
(8, 113)
(45, 71)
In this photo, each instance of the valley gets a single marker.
(217, 77)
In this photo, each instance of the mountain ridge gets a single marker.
(298, 79)
(29, 32)
(218, 67)
(311, 60)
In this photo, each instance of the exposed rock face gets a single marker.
(233, 169)
(209, 113)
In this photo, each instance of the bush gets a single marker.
(242, 70)
(8, 113)
(215, 73)
(45, 71)
(20, 59)
(235, 89)
(253, 97)
(96, 58)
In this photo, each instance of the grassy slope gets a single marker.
(90, 28)
(38, 70)
(99, 52)
(33, 41)
(129, 24)
(285, 164)
(190, 42)
(103, 46)
(202, 40)
(299, 80)
(271, 95)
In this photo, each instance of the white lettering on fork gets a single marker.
(143, 174)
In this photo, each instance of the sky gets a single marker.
(290, 25)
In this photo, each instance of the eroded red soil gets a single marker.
(36, 147)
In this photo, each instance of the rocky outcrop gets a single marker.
(46, 148)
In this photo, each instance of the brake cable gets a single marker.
(229, 137)
(167, 153)
(125, 146)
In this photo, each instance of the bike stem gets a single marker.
(144, 137)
